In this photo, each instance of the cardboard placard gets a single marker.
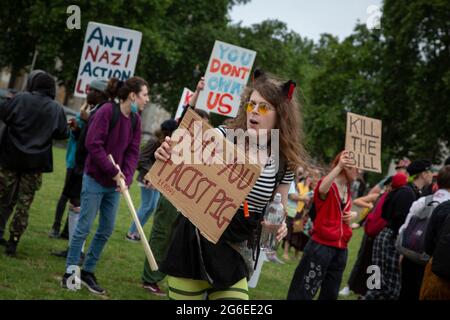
(207, 194)
(363, 140)
(108, 52)
(226, 77)
(185, 98)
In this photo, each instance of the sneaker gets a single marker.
(54, 234)
(3, 242)
(89, 280)
(132, 237)
(153, 288)
(345, 292)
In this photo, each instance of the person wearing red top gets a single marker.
(325, 255)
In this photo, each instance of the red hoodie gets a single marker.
(328, 228)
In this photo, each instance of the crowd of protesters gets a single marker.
(405, 217)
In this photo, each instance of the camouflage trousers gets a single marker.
(17, 191)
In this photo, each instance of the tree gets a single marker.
(415, 77)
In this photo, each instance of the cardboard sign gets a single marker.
(108, 52)
(207, 194)
(226, 77)
(363, 140)
(185, 98)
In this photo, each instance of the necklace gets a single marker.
(342, 191)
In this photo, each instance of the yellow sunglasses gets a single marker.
(263, 107)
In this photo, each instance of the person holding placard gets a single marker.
(199, 269)
(115, 130)
(325, 256)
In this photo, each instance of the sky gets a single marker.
(309, 18)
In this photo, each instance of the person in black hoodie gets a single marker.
(32, 120)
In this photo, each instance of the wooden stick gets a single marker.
(126, 195)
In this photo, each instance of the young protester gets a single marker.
(72, 182)
(32, 120)
(394, 211)
(325, 255)
(199, 269)
(115, 130)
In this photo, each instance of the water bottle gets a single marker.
(273, 218)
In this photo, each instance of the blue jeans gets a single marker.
(149, 200)
(94, 198)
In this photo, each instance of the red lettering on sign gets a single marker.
(90, 52)
(219, 102)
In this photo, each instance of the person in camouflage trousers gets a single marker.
(16, 191)
(32, 120)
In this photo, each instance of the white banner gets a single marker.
(108, 52)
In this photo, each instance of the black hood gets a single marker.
(42, 82)
(31, 78)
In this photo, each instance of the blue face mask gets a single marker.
(134, 107)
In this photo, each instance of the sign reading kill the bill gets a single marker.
(226, 77)
(363, 141)
(207, 192)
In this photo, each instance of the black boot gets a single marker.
(11, 246)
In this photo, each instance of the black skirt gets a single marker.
(192, 256)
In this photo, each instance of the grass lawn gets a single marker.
(35, 274)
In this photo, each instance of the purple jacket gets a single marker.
(122, 143)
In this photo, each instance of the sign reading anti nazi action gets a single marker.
(363, 141)
(226, 77)
(207, 192)
(108, 52)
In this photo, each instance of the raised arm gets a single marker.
(344, 161)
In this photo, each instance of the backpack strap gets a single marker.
(115, 117)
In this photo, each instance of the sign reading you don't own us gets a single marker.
(226, 77)
(108, 52)
(363, 141)
(207, 194)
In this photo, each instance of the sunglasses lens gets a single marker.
(249, 107)
(263, 108)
